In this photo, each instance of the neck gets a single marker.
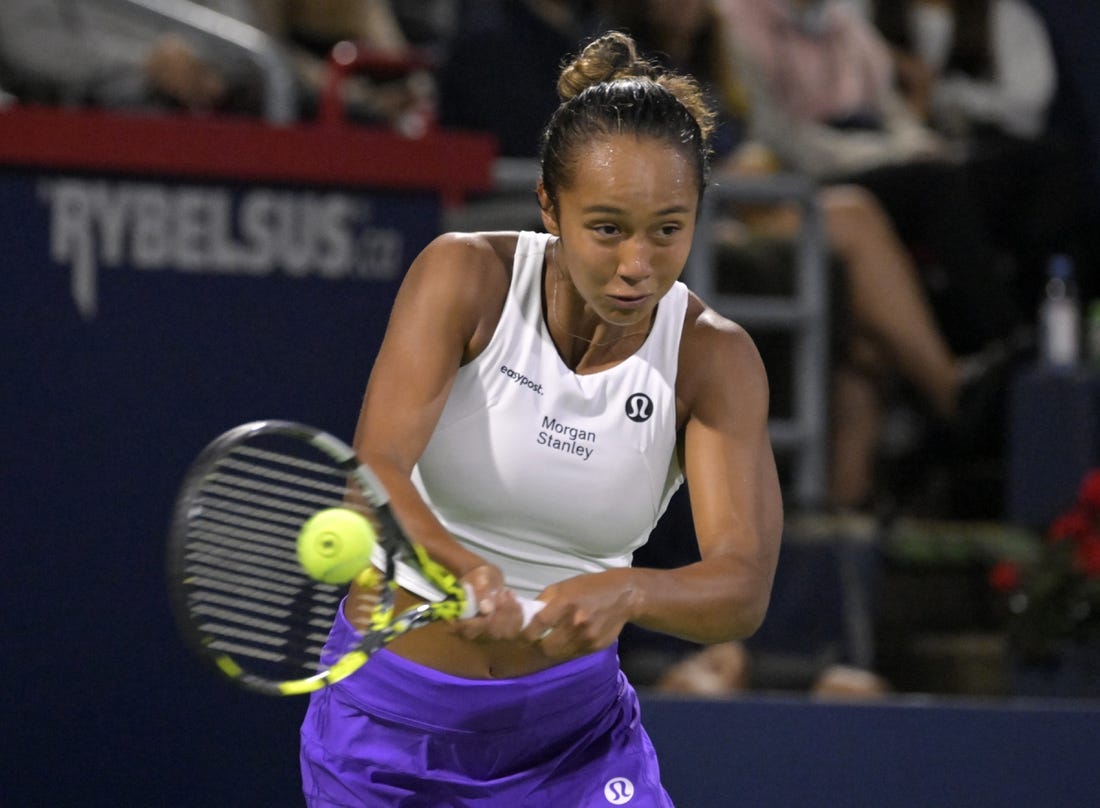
(584, 340)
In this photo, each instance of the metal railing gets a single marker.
(280, 95)
(804, 314)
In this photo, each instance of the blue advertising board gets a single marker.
(140, 317)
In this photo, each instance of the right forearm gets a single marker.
(418, 521)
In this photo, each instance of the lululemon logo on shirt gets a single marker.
(618, 791)
(639, 407)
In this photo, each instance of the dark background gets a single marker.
(103, 706)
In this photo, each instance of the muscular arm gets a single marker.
(735, 495)
(736, 505)
(446, 308)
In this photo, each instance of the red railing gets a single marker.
(454, 164)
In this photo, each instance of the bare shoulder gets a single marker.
(464, 267)
(464, 277)
(471, 252)
(718, 359)
(710, 337)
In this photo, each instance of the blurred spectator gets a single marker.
(823, 98)
(822, 87)
(502, 67)
(428, 24)
(849, 683)
(722, 669)
(883, 323)
(725, 670)
(114, 55)
(969, 67)
(983, 74)
(401, 95)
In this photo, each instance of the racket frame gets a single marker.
(385, 625)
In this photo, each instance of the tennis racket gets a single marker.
(242, 599)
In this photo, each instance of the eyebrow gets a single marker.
(612, 209)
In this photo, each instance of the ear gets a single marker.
(549, 215)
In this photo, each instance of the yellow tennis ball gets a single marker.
(334, 545)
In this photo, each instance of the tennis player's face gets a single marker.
(625, 224)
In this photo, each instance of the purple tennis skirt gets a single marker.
(396, 733)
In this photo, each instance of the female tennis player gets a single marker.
(537, 399)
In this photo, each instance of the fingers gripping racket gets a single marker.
(241, 595)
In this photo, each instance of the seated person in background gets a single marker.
(983, 74)
(715, 670)
(822, 99)
(884, 325)
(309, 29)
(821, 83)
(109, 55)
(849, 683)
(726, 670)
(974, 67)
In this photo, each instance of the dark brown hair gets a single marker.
(609, 89)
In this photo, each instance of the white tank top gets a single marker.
(544, 472)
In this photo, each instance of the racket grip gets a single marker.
(530, 606)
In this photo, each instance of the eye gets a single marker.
(606, 230)
(669, 230)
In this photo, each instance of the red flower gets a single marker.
(1089, 492)
(1086, 556)
(1073, 524)
(1059, 583)
(1005, 576)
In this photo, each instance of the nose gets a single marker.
(635, 259)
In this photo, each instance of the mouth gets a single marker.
(633, 301)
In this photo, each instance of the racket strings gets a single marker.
(256, 484)
(246, 590)
(371, 606)
(245, 599)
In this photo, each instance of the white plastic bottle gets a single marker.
(1060, 316)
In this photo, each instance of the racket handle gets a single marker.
(530, 606)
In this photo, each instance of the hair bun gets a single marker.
(610, 56)
(609, 89)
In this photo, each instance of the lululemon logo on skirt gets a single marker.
(618, 791)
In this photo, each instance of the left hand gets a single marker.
(583, 614)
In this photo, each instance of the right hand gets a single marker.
(499, 616)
